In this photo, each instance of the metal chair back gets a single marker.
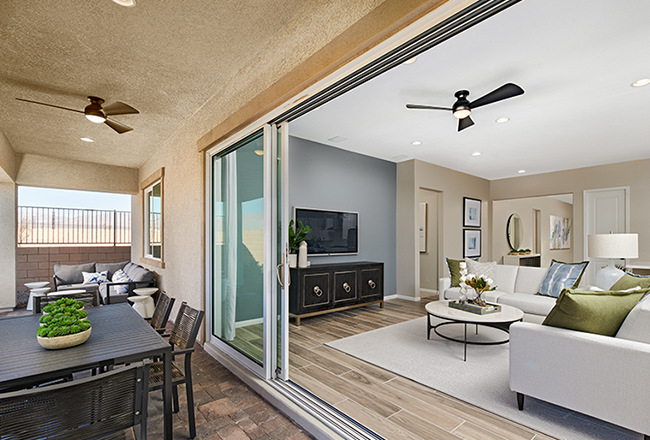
(79, 410)
(90, 299)
(162, 311)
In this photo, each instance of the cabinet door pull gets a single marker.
(318, 291)
(346, 287)
(372, 284)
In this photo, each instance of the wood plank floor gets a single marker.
(391, 405)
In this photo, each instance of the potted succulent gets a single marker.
(296, 236)
(63, 324)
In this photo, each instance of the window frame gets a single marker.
(146, 186)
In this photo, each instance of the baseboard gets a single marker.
(389, 297)
(408, 298)
(249, 322)
(431, 291)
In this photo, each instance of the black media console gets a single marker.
(326, 288)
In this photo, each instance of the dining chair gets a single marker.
(93, 407)
(161, 313)
(90, 299)
(182, 338)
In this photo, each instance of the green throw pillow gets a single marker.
(600, 312)
(628, 281)
(454, 271)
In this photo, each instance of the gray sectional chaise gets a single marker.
(69, 277)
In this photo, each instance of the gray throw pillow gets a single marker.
(110, 267)
(139, 274)
(72, 274)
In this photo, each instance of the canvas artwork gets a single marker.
(560, 232)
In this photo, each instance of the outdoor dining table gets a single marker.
(119, 335)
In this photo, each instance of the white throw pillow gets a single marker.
(95, 277)
(636, 326)
(488, 270)
(119, 277)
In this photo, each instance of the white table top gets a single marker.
(442, 310)
(145, 290)
(37, 284)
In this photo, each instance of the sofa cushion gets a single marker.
(628, 281)
(487, 270)
(110, 267)
(529, 279)
(138, 273)
(562, 276)
(95, 277)
(80, 286)
(593, 312)
(506, 278)
(527, 303)
(71, 274)
(636, 326)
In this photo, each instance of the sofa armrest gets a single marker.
(601, 376)
(106, 295)
(443, 284)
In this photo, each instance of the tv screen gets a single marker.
(332, 232)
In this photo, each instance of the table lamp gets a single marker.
(613, 247)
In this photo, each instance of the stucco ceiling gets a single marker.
(165, 58)
(575, 60)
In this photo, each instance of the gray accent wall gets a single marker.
(329, 178)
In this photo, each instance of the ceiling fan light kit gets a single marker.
(462, 108)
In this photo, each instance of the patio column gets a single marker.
(8, 208)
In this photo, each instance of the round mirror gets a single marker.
(515, 231)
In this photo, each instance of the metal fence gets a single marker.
(40, 225)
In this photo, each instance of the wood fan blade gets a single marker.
(50, 105)
(465, 123)
(426, 107)
(119, 108)
(120, 128)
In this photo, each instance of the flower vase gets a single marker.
(302, 254)
(479, 301)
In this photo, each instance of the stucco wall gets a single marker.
(8, 203)
(633, 174)
(452, 186)
(7, 159)
(548, 206)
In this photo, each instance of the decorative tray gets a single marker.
(473, 308)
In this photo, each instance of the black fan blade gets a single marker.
(120, 128)
(426, 107)
(504, 92)
(119, 108)
(50, 105)
(465, 123)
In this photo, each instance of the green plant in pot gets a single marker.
(295, 237)
(63, 324)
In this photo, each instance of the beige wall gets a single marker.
(7, 159)
(626, 174)
(49, 172)
(452, 187)
(429, 259)
(548, 206)
(8, 245)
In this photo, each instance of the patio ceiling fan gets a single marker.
(463, 107)
(96, 113)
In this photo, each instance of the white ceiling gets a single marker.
(575, 60)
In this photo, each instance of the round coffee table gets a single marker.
(500, 320)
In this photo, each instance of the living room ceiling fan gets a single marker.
(96, 113)
(463, 107)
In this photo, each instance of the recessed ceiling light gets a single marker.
(337, 139)
(410, 60)
(416, 143)
(521, 171)
(127, 3)
(502, 120)
(87, 140)
(259, 152)
(641, 82)
(476, 154)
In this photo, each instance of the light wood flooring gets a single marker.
(391, 405)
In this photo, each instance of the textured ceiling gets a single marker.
(165, 58)
(576, 61)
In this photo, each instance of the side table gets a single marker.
(36, 288)
(143, 303)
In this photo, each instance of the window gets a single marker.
(153, 219)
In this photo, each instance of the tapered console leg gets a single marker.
(520, 403)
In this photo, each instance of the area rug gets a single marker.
(482, 380)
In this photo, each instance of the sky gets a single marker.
(59, 198)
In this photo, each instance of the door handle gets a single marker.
(279, 276)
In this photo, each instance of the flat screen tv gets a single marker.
(332, 232)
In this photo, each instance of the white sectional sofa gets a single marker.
(516, 286)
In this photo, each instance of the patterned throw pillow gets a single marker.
(562, 276)
(120, 277)
(488, 270)
(95, 277)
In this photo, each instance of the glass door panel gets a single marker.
(238, 246)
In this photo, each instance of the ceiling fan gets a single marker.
(463, 107)
(98, 114)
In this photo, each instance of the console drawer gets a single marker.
(371, 280)
(315, 290)
(345, 286)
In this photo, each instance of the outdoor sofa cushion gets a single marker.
(72, 274)
(110, 267)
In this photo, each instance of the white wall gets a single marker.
(8, 205)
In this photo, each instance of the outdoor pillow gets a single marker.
(593, 312)
(110, 267)
(488, 270)
(629, 280)
(95, 277)
(120, 277)
(561, 276)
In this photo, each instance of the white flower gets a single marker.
(489, 281)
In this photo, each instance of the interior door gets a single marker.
(605, 211)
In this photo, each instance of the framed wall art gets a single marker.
(471, 243)
(471, 213)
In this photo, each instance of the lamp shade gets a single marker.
(613, 246)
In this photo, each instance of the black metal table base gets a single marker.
(503, 327)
